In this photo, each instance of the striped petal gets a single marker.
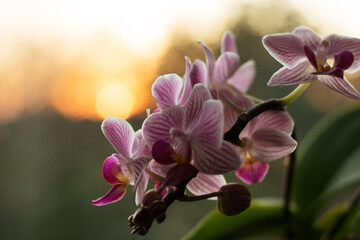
(204, 184)
(230, 115)
(208, 127)
(297, 75)
(243, 77)
(210, 60)
(338, 43)
(141, 188)
(157, 126)
(269, 144)
(137, 168)
(160, 169)
(167, 90)
(228, 43)
(140, 148)
(115, 194)
(225, 67)
(252, 172)
(308, 37)
(212, 160)
(286, 48)
(120, 134)
(340, 85)
(198, 73)
(198, 96)
(280, 120)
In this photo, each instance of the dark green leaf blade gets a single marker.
(263, 217)
(322, 154)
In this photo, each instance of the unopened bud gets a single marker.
(142, 219)
(158, 209)
(234, 199)
(151, 196)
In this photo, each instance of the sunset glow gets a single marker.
(63, 55)
(115, 100)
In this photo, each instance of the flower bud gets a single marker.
(151, 196)
(234, 199)
(142, 220)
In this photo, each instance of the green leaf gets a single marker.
(327, 154)
(327, 222)
(262, 218)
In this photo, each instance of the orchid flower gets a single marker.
(265, 138)
(126, 167)
(225, 70)
(306, 58)
(198, 129)
(172, 90)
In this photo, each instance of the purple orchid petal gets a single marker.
(212, 160)
(286, 48)
(178, 174)
(210, 60)
(113, 173)
(299, 74)
(162, 152)
(140, 148)
(186, 91)
(252, 172)
(280, 120)
(230, 115)
(157, 126)
(340, 85)
(310, 56)
(198, 96)
(338, 43)
(243, 77)
(225, 67)
(160, 169)
(137, 168)
(308, 37)
(208, 127)
(115, 194)
(204, 184)
(343, 60)
(167, 90)
(337, 72)
(141, 188)
(269, 144)
(120, 134)
(198, 73)
(228, 43)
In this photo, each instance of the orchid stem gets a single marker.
(154, 175)
(295, 94)
(289, 174)
(200, 197)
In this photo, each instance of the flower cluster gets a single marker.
(206, 125)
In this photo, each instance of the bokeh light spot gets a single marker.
(114, 100)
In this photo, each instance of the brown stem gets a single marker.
(289, 175)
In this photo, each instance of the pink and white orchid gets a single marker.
(265, 138)
(306, 58)
(126, 167)
(224, 71)
(198, 129)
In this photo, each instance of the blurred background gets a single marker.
(66, 65)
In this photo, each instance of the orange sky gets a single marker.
(90, 60)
